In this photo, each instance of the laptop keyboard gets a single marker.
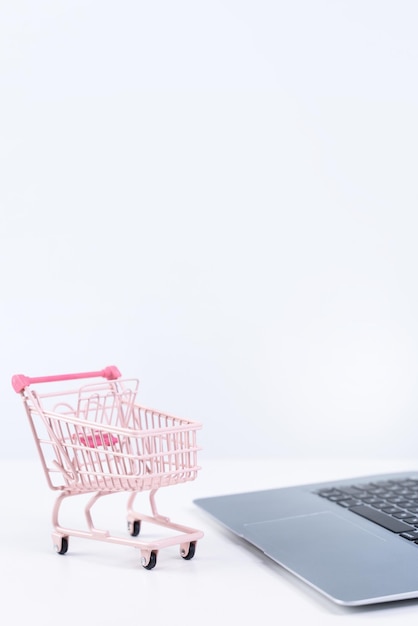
(392, 504)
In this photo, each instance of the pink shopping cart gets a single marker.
(96, 439)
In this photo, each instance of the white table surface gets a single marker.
(227, 582)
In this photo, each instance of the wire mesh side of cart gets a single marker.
(97, 438)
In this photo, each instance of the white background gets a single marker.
(220, 198)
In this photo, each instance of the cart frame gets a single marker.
(97, 440)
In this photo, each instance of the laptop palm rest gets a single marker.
(329, 552)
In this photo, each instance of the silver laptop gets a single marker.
(355, 541)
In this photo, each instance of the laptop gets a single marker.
(355, 540)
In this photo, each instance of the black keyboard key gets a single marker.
(405, 504)
(394, 525)
(381, 493)
(401, 515)
(328, 493)
(390, 509)
(411, 535)
(376, 502)
(351, 502)
(396, 499)
(383, 506)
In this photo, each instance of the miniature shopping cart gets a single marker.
(97, 440)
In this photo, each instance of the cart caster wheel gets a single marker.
(152, 561)
(189, 554)
(134, 528)
(62, 547)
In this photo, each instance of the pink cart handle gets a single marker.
(19, 381)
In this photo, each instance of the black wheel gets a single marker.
(191, 551)
(134, 528)
(62, 549)
(152, 561)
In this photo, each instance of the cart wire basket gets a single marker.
(97, 440)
